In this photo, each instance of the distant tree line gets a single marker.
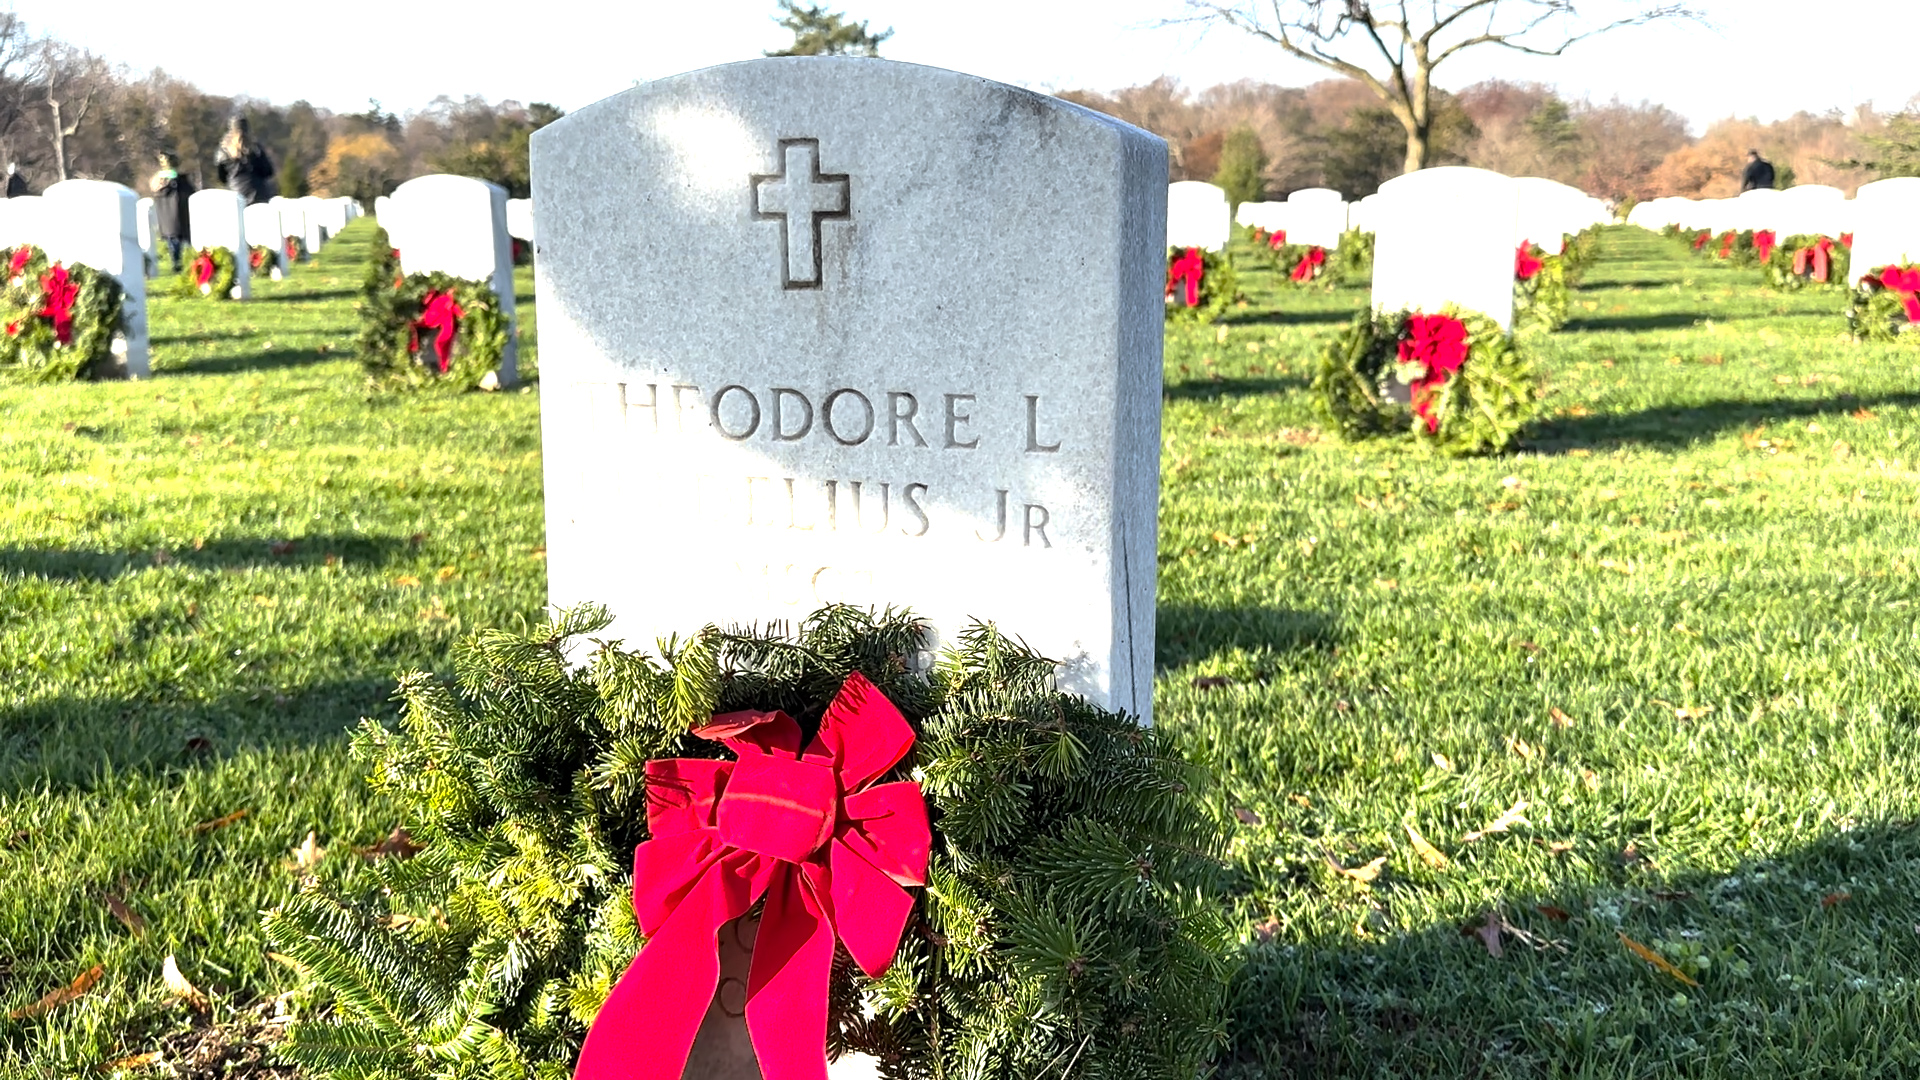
(66, 112)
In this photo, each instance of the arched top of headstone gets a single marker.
(445, 186)
(1315, 196)
(1446, 178)
(1898, 187)
(1813, 193)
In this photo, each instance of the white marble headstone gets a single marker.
(313, 212)
(1197, 216)
(846, 330)
(23, 220)
(1811, 210)
(146, 219)
(1758, 209)
(216, 218)
(96, 223)
(1886, 225)
(1271, 216)
(263, 230)
(1316, 216)
(458, 225)
(1445, 236)
(1550, 210)
(520, 219)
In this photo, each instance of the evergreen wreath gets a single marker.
(1304, 266)
(1806, 260)
(264, 261)
(57, 322)
(1062, 920)
(211, 273)
(427, 330)
(1457, 381)
(1201, 285)
(1736, 247)
(295, 249)
(1579, 251)
(1886, 306)
(1540, 293)
(1353, 258)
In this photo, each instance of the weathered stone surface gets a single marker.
(824, 330)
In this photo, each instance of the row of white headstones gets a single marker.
(452, 224)
(1883, 216)
(1442, 236)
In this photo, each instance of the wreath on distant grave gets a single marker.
(434, 330)
(1540, 293)
(1736, 247)
(295, 249)
(57, 322)
(1353, 258)
(1579, 251)
(1701, 240)
(211, 273)
(1804, 261)
(1305, 266)
(264, 261)
(1201, 285)
(1457, 381)
(1886, 306)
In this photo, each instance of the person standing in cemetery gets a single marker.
(243, 164)
(170, 194)
(16, 184)
(1759, 174)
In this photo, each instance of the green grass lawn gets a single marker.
(1680, 627)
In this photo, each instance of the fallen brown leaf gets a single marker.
(1511, 816)
(1560, 719)
(80, 985)
(179, 987)
(1489, 934)
(1211, 682)
(406, 581)
(221, 822)
(1442, 761)
(1557, 914)
(1266, 929)
(1365, 875)
(128, 917)
(1521, 747)
(1428, 853)
(399, 845)
(136, 1061)
(1299, 800)
(308, 853)
(1655, 959)
(1834, 898)
(1246, 816)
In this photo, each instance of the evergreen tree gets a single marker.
(819, 32)
(1063, 927)
(1243, 166)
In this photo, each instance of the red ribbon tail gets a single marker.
(642, 1033)
(1822, 264)
(792, 964)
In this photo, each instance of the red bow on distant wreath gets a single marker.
(1726, 243)
(1763, 242)
(1701, 240)
(19, 260)
(292, 248)
(1524, 264)
(1309, 264)
(256, 258)
(1906, 281)
(61, 293)
(1188, 268)
(1279, 239)
(1438, 343)
(438, 312)
(1815, 260)
(202, 268)
(809, 830)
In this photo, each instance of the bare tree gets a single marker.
(1393, 47)
(16, 52)
(66, 81)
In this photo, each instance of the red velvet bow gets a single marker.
(1815, 260)
(1701, 240)
(1439, 343)
(292, 248)
(439, 312)
(1524, 264)
(1846, 240)
(1726, 243)
(1763, 242)
(256, 258)
(1312, 261)
(202, 268)
(61, 293)
(19, 260)
(1188, 268)
(809, 830)
(1906, 281)
(1279, 239)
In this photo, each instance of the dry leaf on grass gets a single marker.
(80, 985)
(1365, 875)
(397, 844)
(136, 1061)
(309, 852)
(1557, 914)
(1522, 748)
(1835, 898)
(1266, 929)
(179, 987)
(1489, 933)
(1511, 816)
(1655, 959)
(1560, 719)
(220, 822)
(128, 917)
(1246, 816)
(1427, 852)
(1441, 760)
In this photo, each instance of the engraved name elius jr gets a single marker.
(846, 417)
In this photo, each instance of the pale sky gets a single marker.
(1764, 58)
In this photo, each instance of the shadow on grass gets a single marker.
(1209, 390)
(1188, 632)
(1273, 317)
(1668, 321)
(73, 742)
(314, 295)
(1807, 975)
(1669, 426)
(238, 553)
(236, 364)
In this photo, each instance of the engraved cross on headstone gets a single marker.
(801, 196)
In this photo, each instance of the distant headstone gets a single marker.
(1197, 216)
(263, 230)
(458, 225)
(520, 219)
(313, 211)
(23, 220)
(758, 310)
(1316, 216)
(216, 218)
(1549, 210)
(1811, 210)
(1886, 225)
(1271, 216)
(96, 223)
(1758, 209)
(1445, 236)
(147, 220)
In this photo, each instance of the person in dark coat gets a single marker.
(1759, 174)
(243, 165)
(16, 184)
(170, 194)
